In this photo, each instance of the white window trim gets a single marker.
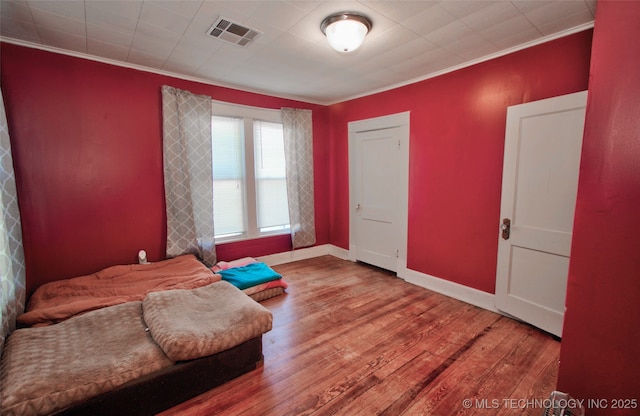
(248, 114)
(223, 109)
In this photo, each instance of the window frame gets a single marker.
(248, 114)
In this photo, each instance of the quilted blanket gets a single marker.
(60, 300)
(47, 369)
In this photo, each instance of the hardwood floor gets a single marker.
(350, 339)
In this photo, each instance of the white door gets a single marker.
(539, 185)
(379, 167)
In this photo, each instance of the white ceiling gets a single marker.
(410, 40)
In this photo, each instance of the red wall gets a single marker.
(87, 150)
(601, 344)
(457, 144)
(87, 143)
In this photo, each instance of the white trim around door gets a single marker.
(399, 123)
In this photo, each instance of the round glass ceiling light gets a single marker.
(345, 31)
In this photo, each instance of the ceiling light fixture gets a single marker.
(345, 31)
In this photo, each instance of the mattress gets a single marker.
(46, 369)
(62, 299)
(58, 367)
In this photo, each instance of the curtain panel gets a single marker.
(188, 174)
(298, 150)
(12, 266)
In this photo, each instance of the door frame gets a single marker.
(372, 124)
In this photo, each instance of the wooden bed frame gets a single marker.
(171, 386)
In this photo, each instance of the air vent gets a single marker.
(232, 32)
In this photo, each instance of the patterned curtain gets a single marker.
(298, 151)
(12, 268)
(188, 174)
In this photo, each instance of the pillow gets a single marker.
(189, 324)
(225, 265)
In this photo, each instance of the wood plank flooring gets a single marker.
(351, 339)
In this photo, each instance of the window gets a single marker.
(228, 177)
(249, 180)
(271, 179)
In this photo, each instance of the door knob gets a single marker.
(506, 228)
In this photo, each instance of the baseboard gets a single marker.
(305, 253)
(454, 290)
(463, 293)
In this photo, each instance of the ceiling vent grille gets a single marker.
(232, 32)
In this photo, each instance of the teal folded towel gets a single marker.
(250, 275)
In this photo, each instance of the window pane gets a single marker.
(228, 177)
(271, 182)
